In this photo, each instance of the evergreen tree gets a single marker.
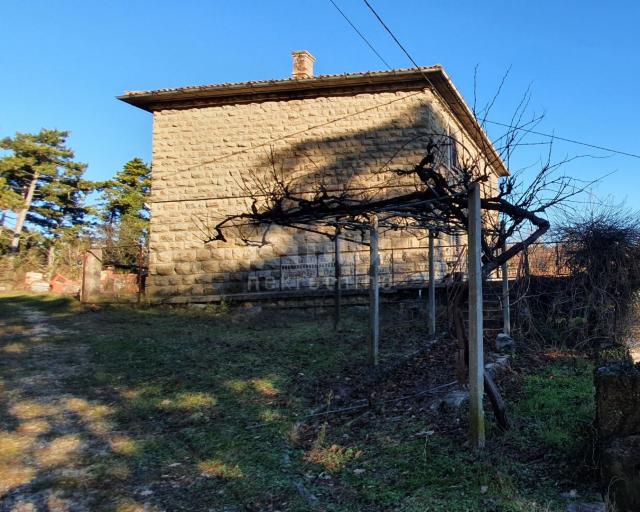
(42, 171)
(125, 212)
(9, 200)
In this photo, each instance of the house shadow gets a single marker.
(358, 163)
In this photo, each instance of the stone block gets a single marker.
(617, 400)
(452, 401)
(190, 279)
(203, 278)
(210, 266)
(203, 254)
(620, 473)
(197, 289)
(185, 256)
(228, 266)
(164, 269)
(159, 280)
(218, 254)
(267, 252)
(183, 268)
(505, 343)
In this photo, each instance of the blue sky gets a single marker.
(64, 62)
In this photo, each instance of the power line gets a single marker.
(361, 35)
(565, 139)
(321, 125)
(399, 44)
(406, 52)
(391, 33)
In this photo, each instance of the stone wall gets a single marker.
(618, 426)
(204, 159)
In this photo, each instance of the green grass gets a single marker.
(433, 473)
(556, 402)
(206, 410)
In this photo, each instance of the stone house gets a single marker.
(207, 140)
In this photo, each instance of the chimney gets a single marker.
(302, 64)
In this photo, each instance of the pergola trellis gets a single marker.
(438, 202)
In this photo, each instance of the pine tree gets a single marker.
(9, 200)
(125, 212)
(42, 171)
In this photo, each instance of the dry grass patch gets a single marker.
(269, 416)
(30, 409)
(56, 503)
(14, 348)
(34, 427)
(123, 445)
(13, 446)
(333, 458)
(95, 416)
(189, 402)
(13, 475)
(218, 469)
(265, 387)
(87, 410)
(61, 451)
(130, 505)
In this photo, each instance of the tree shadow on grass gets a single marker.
(182, 410)
(176, 411)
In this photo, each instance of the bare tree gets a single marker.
(599, 298)
(430, 195)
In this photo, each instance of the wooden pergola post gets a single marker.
(432, 287)
(506, 311)
(374, 292)
(476, 348)
(338, 284)
(139, 276)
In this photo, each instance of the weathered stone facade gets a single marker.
(206, 152)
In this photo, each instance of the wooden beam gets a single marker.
(432, 287)
(139, 277)
(338, 284)
(476, 348)
(506, 311)
(374, 292)
(497, 402)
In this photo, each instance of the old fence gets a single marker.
(119, 273)
(114, 274)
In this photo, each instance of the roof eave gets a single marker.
(165, 98)
(149, 100)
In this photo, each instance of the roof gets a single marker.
(342, 84)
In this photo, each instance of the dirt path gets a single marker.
(49, 437)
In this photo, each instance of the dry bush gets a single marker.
(594, 304)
